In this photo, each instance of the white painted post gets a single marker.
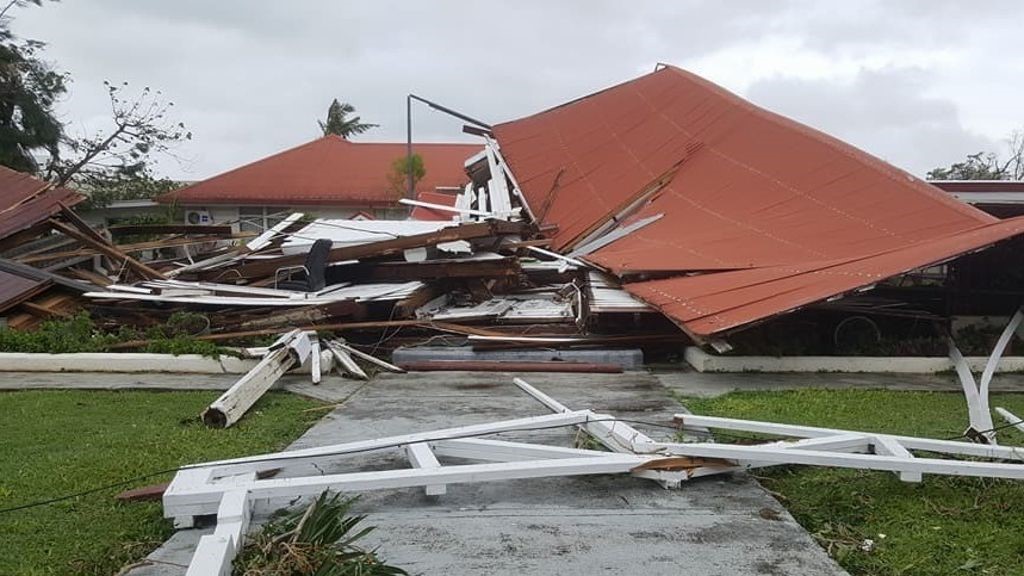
(421, 456)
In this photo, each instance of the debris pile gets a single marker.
(482, 278)
(661, 204)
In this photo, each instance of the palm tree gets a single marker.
(339, 124)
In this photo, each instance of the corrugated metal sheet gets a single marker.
(328, 170)
(780, 214)
(26, 201)
(15, 289)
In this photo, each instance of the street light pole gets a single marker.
(408, 131)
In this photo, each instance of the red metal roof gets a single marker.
(424, 213)
(328, 170)
(26, 201)
(780, 214)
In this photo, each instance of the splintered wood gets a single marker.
(383, 284)
(289, 350)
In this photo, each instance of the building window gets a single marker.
(259, 218)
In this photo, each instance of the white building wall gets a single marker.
(225, 214)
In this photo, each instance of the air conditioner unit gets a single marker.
(197, 217)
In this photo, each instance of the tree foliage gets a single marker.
(988, 165)
(339, 123)
(29, 88)
(113, 163)
(400, 168)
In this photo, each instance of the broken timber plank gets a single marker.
(263, 268)
(106, 249)
(346, 364)
(145, 493)
(434, 270)
(369, 358)
(314, 357)
(289, 350)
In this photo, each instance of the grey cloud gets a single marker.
(883, 112)
(251, 78)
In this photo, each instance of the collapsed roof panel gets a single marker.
(15, 289)
(26, 201)
(706, 304)
(739, 188)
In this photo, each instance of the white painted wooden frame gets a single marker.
(981, 427)
(215, 487)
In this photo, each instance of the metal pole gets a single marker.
(408, 146)
(451, 112)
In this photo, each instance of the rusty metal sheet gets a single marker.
(707, 304)
(771, 213)
(15, 289)
(26, 201)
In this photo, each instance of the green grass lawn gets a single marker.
(941, 526)
(59, 442)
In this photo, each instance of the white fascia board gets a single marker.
(263, 461)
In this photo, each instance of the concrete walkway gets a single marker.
(565, 526)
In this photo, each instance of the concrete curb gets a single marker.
(704, 362)
(123, 362)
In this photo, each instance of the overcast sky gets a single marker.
(918, 83)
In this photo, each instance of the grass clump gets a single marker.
(871, 522)
(63, 442)
(320, 539)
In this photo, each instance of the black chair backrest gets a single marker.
(316, 264)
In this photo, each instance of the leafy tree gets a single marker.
(114, 163)
(988, 165)
(339, 123)
(29, 87)
(400, 168)
(110, 164)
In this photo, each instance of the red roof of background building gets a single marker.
(440, 198)
(780, 214)
(328, 170)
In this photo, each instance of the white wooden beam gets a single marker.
(1011, 418)
(421, 456)
(207, 497)
(215, 552)
(346, 365)
(502, 451)
(977, 406)
(888, 446)
(314, 358)
(612, 236)
(443, 208)
(761, 454)
(260, 242)
(367, 357)
(222, 468)
(952, 447)
(290, 350)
